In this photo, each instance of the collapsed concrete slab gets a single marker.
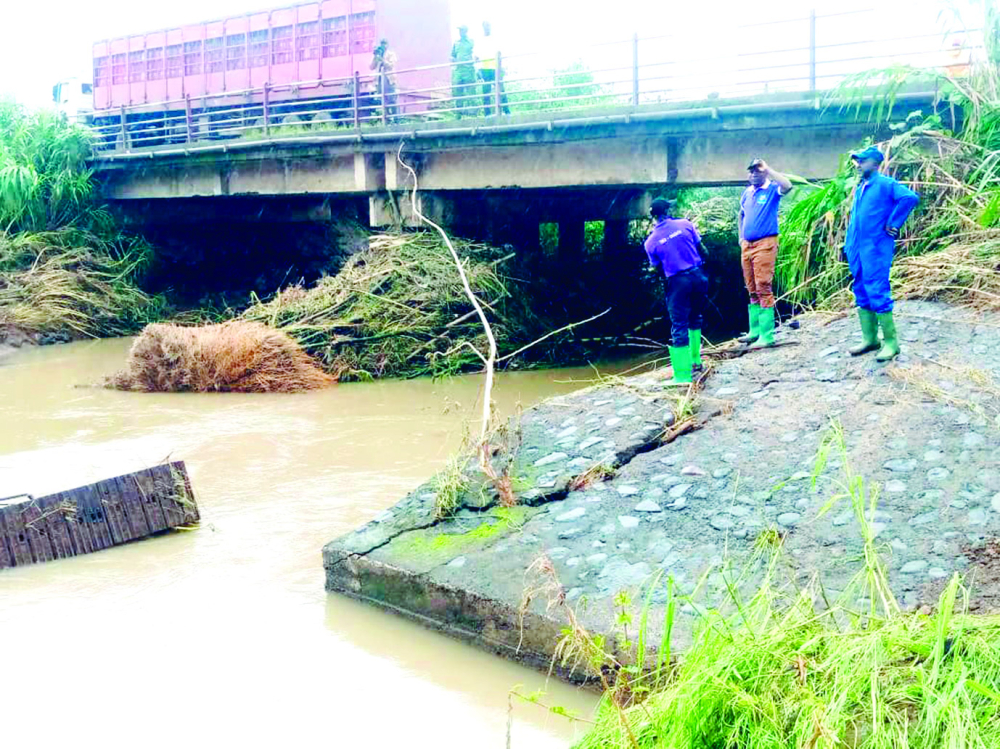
(924, 427)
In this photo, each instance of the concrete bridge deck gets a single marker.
(608, 163)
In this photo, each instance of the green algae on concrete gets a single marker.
(433, 546)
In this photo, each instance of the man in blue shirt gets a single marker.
(881, 206)
(672, 247)
(758, 228)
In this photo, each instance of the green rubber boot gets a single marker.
(869, 331)
(680, 360)
(753, 311)
(694, 344)
(765, 323)
(890, 342)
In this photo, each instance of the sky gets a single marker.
(43, 42)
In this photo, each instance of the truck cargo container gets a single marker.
(178, 78)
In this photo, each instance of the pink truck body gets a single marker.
(310, 42)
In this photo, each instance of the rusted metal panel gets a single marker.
(132, 505)
(79, 531)
(114, 510)
(146, 487)
(17, 536)
(36, 531)
(94, 514)
(55, 508)
(190, 507)
(95, 517)
(6, 557)
(171, 492)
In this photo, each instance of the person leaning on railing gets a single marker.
(489, 70)
(463, 74)
(384, 62)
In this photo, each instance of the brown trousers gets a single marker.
(758, 260)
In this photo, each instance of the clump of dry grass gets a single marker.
(964, 273)
(237, 356)
(74, 282)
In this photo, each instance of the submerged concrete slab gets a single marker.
(500, 577)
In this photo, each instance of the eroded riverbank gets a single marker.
(924, 427)
(230, 623)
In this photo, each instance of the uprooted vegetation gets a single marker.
(398, 309)
(64, 269)
(74, 283)
(237, 356)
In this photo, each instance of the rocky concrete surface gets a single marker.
(925, 428)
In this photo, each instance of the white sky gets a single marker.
(42, 42)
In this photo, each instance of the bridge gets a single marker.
(594, 144)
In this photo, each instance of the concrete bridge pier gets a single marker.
(616, 235)
(572, 237)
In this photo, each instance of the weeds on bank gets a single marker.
(983, 399)
(951, 247)
(450, 485)
(64, 269)
(477, 471)
(594, 475)
(784, 666)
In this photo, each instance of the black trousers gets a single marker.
(687, 295)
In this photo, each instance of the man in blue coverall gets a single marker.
(673, 248)
(881, 206)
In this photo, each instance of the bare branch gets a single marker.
(491, 358)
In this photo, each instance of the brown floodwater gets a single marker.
(225, 634)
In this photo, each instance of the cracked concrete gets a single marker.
(924, 427)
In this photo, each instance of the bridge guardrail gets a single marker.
(626, 74)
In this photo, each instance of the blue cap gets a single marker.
(868, 153)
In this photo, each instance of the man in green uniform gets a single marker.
(463, 74)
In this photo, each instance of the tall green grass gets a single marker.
(955, 171)
(789, 667)
(44, 180)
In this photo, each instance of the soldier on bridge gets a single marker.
(463, 74)
(758, 230)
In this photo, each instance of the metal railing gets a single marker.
(622, 74)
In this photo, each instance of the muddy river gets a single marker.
(225, 634)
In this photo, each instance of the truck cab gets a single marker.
(75, 99)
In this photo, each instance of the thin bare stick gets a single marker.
(552, 333)
(490, 360)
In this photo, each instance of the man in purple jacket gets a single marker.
(672, 247)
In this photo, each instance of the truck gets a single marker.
(74, 98)
(160, 86)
